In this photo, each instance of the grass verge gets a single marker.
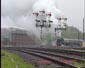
(7, 62)
(80, 64)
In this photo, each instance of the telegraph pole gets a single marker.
(83, 29)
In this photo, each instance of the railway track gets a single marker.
(66, 51)
(52, 56)
(74, 57)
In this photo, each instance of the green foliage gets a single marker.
(6, 61)
(79, 64)
(72, 33)
(49, 66)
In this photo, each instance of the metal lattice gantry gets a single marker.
(43, 20)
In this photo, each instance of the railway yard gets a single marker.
(60, 57)
(42, 34)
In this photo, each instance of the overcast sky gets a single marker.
(18, 13)
(74, 10)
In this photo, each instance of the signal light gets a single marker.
(42, 11)
(50, 21)
(48, 14)
(59, 18)
(37, 20)
(35, 14)
(65, 18)
(44, 20)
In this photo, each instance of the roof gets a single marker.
(19, 31)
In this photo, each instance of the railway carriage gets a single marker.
(70, 42)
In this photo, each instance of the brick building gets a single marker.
(18, 37)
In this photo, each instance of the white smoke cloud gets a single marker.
(6, 22)
(43, 4)
(16, 7)
(18, 13)
(17, 10)
(49, 6)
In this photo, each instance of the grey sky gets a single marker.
(74, 10)
(17, 13)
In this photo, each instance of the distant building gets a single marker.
(18, 37)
